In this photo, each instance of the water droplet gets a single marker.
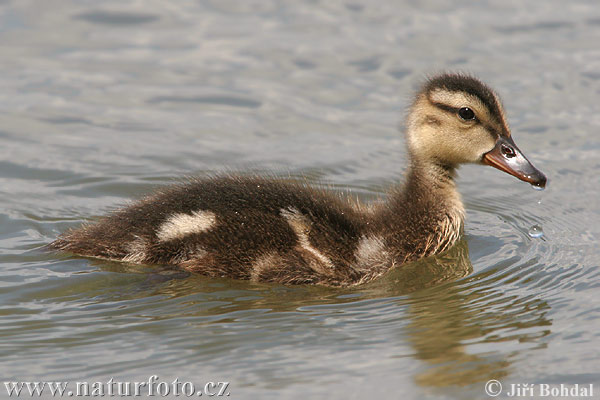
(536, 187)
(536, 231)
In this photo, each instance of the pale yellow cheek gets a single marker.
(456, 146)
(478, 145)
(453, 152)
(465, 150)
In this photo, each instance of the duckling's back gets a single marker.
(240, 227)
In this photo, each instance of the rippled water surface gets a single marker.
(102, 102)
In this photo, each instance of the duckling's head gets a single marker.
(457, 119)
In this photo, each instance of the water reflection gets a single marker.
(449, 314)
(432, 271)
(449, 326)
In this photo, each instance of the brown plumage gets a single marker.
(280, 231)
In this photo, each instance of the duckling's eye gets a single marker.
(465, 113)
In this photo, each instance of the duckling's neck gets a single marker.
(428, 214)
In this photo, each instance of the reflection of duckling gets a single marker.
(449, 266)
(273, 230)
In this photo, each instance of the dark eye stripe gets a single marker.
(453, 110)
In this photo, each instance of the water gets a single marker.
(103, 102)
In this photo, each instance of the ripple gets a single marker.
(116, 18)
(216, 100)
(18, 171)
(304, 64)
(539, 26)
(399, 73)
(367, 64)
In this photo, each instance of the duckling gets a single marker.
(273, 230)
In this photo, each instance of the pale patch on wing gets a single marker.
(301, 227)
(264, 263)
(373, 258)
(370, 250)
(181, 225)
(136, 251)
(372, 254)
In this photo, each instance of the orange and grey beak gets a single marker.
(507, 157)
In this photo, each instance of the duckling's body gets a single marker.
(271, 230)
(280, 231)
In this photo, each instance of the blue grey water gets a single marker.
(102, 102)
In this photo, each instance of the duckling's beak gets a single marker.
(507, 157)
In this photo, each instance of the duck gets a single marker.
(266, 229)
